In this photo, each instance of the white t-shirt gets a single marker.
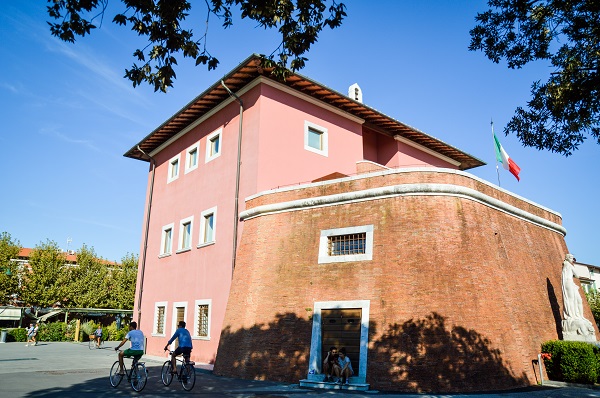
(136, 337)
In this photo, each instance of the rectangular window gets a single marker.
(191, 162)
(159, 318)
(185, 234)
(208, 218)
(173, 169)
(343, 245)
(346, 244)
(202, 319)
(316, 138)
(213, 145)
(179, 314)
(166, 245)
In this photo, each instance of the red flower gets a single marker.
(546, 356)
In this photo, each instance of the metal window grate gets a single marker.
(203, 320)
(342, 245)
(160, 320)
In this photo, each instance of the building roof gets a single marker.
(249, 70)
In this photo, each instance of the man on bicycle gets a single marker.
(136, 337)
(185, 344)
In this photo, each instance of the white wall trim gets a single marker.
(403, 190)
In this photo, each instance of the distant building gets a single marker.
(285, 217)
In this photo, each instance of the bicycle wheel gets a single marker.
(165, 374)
(139, 377)
(91, 344)
(188, 376)
(115, 377)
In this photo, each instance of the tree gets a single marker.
(162, 22)
(88, 281)
(9, 284)
(593, 298)
(122, 283)
(565, 109)
(45, 280)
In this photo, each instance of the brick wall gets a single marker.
(461, 294)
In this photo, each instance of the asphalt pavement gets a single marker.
(73, 370)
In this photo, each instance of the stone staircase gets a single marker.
(316, 381)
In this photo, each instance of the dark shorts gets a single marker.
(186, 351)
(132, 353)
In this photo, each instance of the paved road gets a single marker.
(72, 370)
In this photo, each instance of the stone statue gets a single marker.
(574, 325)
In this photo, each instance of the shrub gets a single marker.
(571, 361)
(113, 333)
(55, 331)
(18, 335)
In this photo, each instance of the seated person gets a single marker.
(330, 365)
(345, 366)
(136, 338)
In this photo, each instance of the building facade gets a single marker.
(283, 217)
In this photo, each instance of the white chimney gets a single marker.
(355, 92)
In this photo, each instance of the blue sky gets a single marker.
(69, 116)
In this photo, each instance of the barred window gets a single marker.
(342, 245)
(346, 244)
(203, 320)
(160, 320)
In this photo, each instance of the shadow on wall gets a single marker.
(555, 308)
(422, 355)
(427, 355)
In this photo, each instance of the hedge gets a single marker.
(571, 361)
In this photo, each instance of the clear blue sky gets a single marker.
(69, 116)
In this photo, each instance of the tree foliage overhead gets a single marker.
(162, 22)
(565, 109)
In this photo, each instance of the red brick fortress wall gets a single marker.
(464, 283)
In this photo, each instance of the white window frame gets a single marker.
(172, 161)
(188, 157)
(182, 223)
(196, 304)
(202, 241)
(157, 305)
(209, 139)
(324, 138)
(183, 304)
(325, 258)
(163, 235)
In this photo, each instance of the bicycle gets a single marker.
(92, 342)
(137, 375)
(186, 374)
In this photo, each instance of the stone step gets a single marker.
(333, 386)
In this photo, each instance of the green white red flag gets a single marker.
(506, 161)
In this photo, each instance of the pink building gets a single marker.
(280, 133)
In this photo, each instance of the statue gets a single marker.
(574, 325)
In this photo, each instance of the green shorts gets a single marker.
(132, 353)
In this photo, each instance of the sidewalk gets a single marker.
(73, 370)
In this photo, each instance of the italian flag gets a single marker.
(506, 161)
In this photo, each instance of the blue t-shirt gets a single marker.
(185, 339)
(136, 337)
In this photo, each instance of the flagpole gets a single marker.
(496, 157)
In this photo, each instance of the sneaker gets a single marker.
(338, 381)
(346, 383)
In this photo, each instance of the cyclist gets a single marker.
(185, 344)
(98, 336)
(136, 337)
